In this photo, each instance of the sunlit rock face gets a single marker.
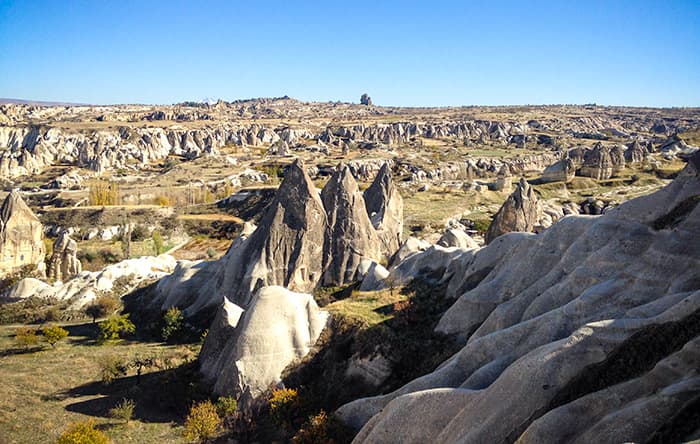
(571, 335)
(520, 212)
(21, 235)
(385, 208)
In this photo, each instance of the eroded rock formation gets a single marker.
(520, 212)
(21, 236)
(351, 236)
(582, 350)
(64, 261)
(385, 208)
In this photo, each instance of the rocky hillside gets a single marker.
(572, 335)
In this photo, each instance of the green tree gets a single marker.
(115, 327)
(172, 322)
(157, 242)
(53, 334)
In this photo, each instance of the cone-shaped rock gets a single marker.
(21, 235)
(278, 327)
(64, 261)
(286, 248)
(385, 208)
(520, 212)
(351, 236)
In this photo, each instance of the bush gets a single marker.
(53, 334)
(226, 406)
(284, 404)
(83, 432)
(163, 201)
(115, 327)
(112, 367)
(172, 320)
(123, 411)
(101, 307)
(322, 429)
(26, 337)
(211, 252)
(202, 423)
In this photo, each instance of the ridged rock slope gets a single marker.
(576, 334)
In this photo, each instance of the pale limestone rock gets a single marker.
(385, 208)
(64, 262)
(21, 236)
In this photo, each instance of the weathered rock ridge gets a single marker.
(585, 328)
(520, 212)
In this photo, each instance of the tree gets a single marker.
(157, 242)
(26, 337)
(172, 320)
(101, 307)
(203, 422)
(53, 334)
(115, 327)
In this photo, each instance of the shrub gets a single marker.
(101, 307)
(115, 327)
(202, 423)
(123, 411)
(163, 201)
(321, 429)
(83, 432)
(226, 406)
(112, 367)
(211, 252)
(139, 232)
(26, 337)
(284, 404)
(53, 334)
(172, 322)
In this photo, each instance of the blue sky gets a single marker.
(400, 52)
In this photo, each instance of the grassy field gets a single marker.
(45, 389)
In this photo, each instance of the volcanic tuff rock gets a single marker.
(21, 235)
(385, 208)
(563, 170)
(64, 261)
(520, 212)
(277, 328)
(84, 287)
(351, 236)
(598, 163)
(504, 180)
(584, 351)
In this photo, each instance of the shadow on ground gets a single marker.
(161, 396)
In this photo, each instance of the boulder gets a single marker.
(504, 180)
(351, 236)
(278, 327)
(520, 212)
(455, 237)
(563, 170)
(635, 153)
(64, 261)
(21, 236)
(385, 208)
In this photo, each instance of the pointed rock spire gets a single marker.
(351, 236)
(520, 212)
(385, 208)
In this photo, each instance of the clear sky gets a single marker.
(418, 53)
